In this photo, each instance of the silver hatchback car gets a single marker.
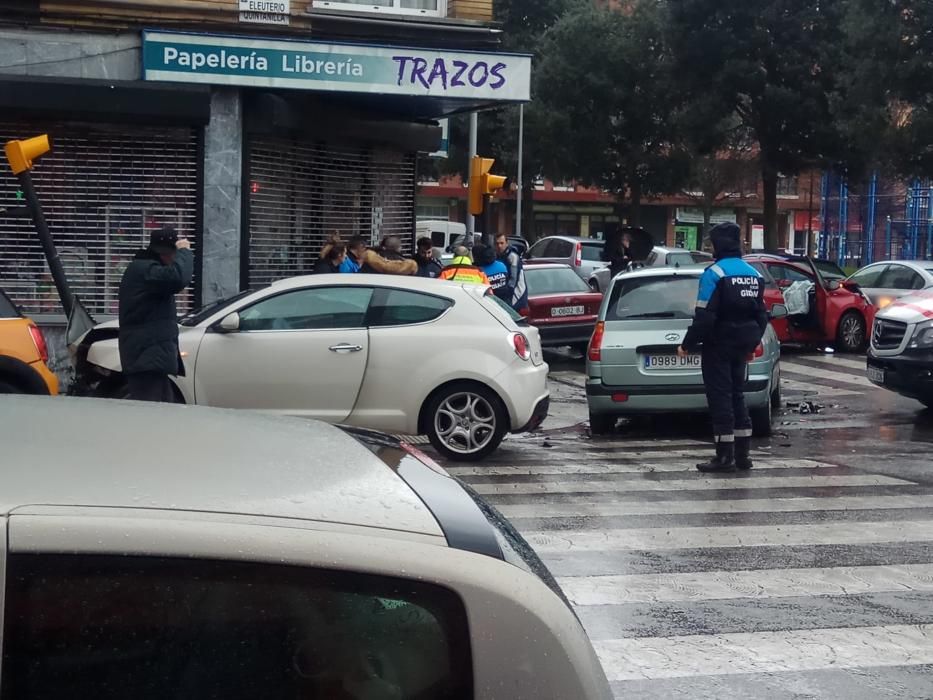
(632, 365)
(584, 255)
(153, 551)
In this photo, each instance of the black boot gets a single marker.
(724, 461)
(743, 462)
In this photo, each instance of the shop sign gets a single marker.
(694, 215)
(265, 11)
(272, 63)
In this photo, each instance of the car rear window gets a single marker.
(7, 308)
(553, 280)
(153, 628)
(669, 296)
(680, 259)
(593, 250)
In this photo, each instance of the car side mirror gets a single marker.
(778, 311)
(784, 284)
(228, 324)
(833, 286)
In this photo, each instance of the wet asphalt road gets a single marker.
(810, 577)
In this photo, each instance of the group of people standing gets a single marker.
(499, 267)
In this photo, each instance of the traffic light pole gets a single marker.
(487, 221)
(470, 219)
(48, 245)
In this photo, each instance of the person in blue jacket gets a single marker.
(495, 270)
(728, 325)
(511, 257)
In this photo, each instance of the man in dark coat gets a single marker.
(729, 322)
(428, 265)
(148, 318)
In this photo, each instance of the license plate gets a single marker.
(672, 362)
(567, 311)
(876, 374)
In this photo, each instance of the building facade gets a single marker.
(258, 129)
(674, 220)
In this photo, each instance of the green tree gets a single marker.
(607, 109)
(774, 64)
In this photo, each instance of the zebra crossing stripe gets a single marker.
(765, 652)
(833, 361)
(820, 373)
(623, 467)
(765, 583)
(788, 384)
(843, 533)
(721, 484)
(742, 505)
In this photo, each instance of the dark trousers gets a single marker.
(724, 372)
(150, 386)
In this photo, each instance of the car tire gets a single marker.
(7, 388)
(851, 333)
(466, 421)
(601, 424)
(776, 394)
(761, 420)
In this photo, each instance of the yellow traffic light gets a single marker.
(22, 153)
(482, 183)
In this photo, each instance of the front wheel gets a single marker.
(850, 336)
(466, 422)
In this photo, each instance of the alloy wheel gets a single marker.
(465, 422)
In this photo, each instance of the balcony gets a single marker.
(421, 8)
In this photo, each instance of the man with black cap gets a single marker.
(729, 323)
(148, 318)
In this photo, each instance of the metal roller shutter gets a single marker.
(102, 190)
(301, 193)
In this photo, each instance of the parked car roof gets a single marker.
(664, 271)
(425, 284)
(105, 453)
(581, 239)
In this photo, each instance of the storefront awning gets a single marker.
(421, 82)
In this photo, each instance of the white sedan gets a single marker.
(403, 355)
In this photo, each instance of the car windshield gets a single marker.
(198, 315)
(8, 309)
(653, 297)
(553, 280)
(592, 250)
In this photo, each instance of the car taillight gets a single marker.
(759, 352)
(596, 342)
(520, 343)
(578, 258)
(39, 341)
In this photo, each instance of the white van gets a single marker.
(900, 357)
(443, 234)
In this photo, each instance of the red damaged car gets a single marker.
(839, 313)
(561, 305)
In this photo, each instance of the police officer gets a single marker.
(729, 323)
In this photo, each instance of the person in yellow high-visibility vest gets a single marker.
(462, 269)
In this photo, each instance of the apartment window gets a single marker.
(432, 212)
(787, 186)
(430, 8)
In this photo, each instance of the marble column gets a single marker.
(223, 190)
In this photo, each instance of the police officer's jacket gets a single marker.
(730, 312)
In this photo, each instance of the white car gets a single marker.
(201, 553)
(404, 355)
(660, 256)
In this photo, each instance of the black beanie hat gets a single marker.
(727, 240)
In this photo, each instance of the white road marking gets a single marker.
(624, 467)
(820, 373)
(729, 585)
(765, 652)
(831, 361)
(730, 536)
(720, 484)
(819, 389)
(743, 505)
(659, 446)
